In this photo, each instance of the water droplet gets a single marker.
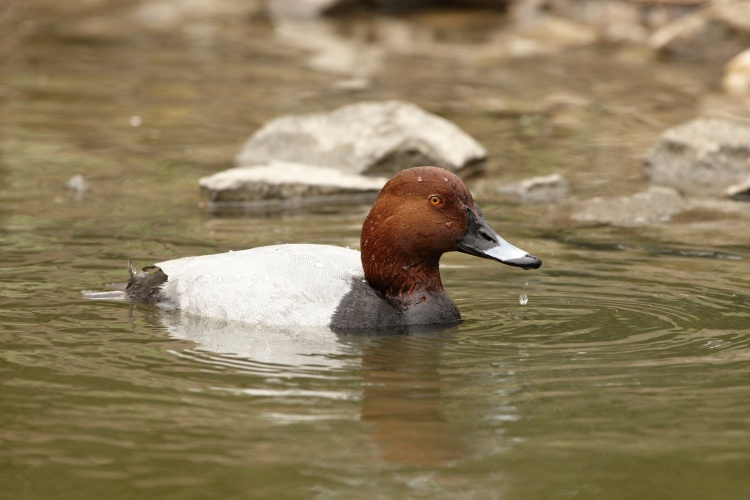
(449, 224)
(523, 299)
(319, 264)
(419, 179)
(445, 179)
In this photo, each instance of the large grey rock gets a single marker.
(367, 137)
(281, 186)
(702, 157)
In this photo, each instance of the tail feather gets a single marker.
(145, 285)
(142, 287)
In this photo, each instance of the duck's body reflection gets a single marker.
(402, 400)
(401, 397)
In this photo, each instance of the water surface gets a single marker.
(625, 375)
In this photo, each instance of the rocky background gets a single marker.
(344, 154)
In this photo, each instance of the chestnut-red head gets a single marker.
(420, 214)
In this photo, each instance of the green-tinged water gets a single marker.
(625, 375)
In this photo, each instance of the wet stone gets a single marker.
(284, 186)
(368, 137)
(702, 157)
(657, 204)
(539, 190)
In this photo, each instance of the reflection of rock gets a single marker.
(168, 15)
(544, 35)
(318, 7)
(299, 8)
(702, 157)
(719, 31)
(546, 189)
(283, 186)
(198, 19)
(354, 56)
(658, 204)
(368, 137)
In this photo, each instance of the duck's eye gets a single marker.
(436, 200)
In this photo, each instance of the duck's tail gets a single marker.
(142, 287)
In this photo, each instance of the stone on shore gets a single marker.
(365, 138)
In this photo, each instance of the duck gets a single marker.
(393, 282)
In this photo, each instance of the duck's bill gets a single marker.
(481, 240)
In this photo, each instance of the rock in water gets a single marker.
(703, 157)
(283, 186)
(365, 138)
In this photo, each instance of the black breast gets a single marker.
(364, 309)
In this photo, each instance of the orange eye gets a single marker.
(436, 200)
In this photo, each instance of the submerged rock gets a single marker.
(539, 190)
(78, 186)
(538, 36)
(702, 157)
(280, 186)
(368, 137)
(657, 204)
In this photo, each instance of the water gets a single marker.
(625, 375)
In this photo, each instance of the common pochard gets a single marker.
(394, 281)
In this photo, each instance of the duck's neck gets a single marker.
(402, 281)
